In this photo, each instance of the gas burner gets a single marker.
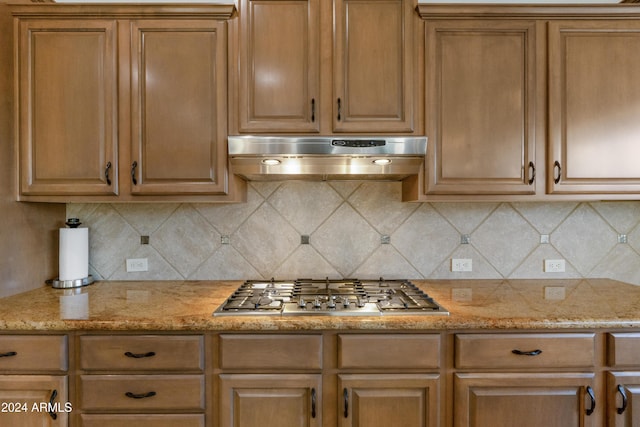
(344, 297)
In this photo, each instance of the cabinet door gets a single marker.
(270, 400)
(525, 400)
(178, 127)
(279, 66)
(66, 112)
(34, 401)
(382, 400)
(374, 66)
(623, 393)
(480, 109)
(594, 129)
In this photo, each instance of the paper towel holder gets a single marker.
(67, 284)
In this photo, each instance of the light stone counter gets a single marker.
(188, 306)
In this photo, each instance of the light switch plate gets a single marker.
(137, 264)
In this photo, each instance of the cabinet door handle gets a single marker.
(106, 173)
(313, 109)
(52, 414)
(623, 393)
(345, 399)
(527, 353)
(313, 403)
(141, 395)
(532, 175)
(134, 165)
(9, 354)
(140, 355)
(558, 169)
(592, 398)
(339, 109)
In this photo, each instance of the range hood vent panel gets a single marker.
(265, 158)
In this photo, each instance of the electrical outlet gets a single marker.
(554, 292)
(554, 266)
(137, 264)
(461, 264)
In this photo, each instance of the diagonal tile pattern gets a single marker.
(346, 222)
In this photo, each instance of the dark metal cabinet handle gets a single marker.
(140, 355)
(52, 414)
(313, 403)
(592, 398)
(532, 176)
(141, 395)
(339, 109)
(134, 165)
(345, 398)
(313, 109)
(623, 393)
(106, 173)
(9, 354)
(557, 166)
(527, 353)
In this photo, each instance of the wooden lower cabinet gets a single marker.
(270, 400)
(524, 399)
(139, 420)
(623, 393)
(381, 400)
(34, 401)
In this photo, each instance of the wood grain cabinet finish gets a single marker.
(142, 420)
(279, 72)
(262, 352)
(270, 400)
(285, 83)
(123, 103)
(623, 380)
(593, 127)
(66, 77)
(381, 400)
(142, 353)
(481, 107)
(33, 373)
(388, 351)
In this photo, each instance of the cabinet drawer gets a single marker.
(417, 351)
(139, 420)
(271, 352)
(537, 350)
(147, 352)
(33, 353)
(623, 349)
(142, 393)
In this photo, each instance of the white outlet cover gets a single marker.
(554, 266)
(137, 264)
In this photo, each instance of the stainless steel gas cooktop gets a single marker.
(334, 297)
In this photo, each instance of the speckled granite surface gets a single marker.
(188, 306)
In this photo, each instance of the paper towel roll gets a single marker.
(74, 253)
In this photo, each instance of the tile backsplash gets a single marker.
(359, 229)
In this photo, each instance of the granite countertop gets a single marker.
(188, 306)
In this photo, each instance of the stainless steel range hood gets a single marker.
(265, 158)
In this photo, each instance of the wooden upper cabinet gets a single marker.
(178, 93)
(310, 66)
(594, 112)
(279, 47)
(373, 66)
(66, 76)
(480, 107)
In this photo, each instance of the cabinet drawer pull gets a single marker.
(313, 109)
(134, 165)
(345, 398)
(9, 354)
(141, 395)
(532, 175)
(592, 398)
(339, 109)
(52, 414)
(623, 393)
(140, 355)
(527, 353)
(106, 173)
(313, 403)
(557, 167)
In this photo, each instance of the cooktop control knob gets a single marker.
(332, 302)
(302, 303)
(345, 302)
(316, 303)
